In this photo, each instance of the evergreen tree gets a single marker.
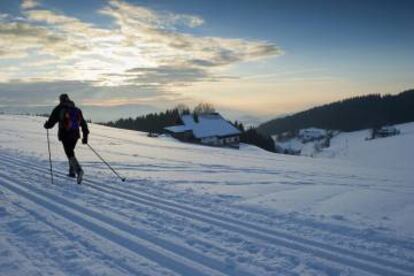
(252, 137)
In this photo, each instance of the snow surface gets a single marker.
(395, 152)
(195, 210)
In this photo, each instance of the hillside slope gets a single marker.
(194, 210)
(394, 152)
(348, 115)
(391, 152)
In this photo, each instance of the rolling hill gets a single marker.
(348, 115)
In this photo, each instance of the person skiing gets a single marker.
(70, 118)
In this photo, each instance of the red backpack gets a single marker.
(71, 118)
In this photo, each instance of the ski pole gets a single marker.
(50, 156)
(109, 166)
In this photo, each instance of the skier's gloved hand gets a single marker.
(85, 140)
(45, 125)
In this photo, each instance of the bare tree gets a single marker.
(204, 108)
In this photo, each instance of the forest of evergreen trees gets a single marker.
(152, 123)
(252, 137)
(352, 114)
(156, 122)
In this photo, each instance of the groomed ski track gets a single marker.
(165, 250)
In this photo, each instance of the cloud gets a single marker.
(144, 50)
(167, 75)
(35, 93)
(141, 26)
(18, 93)
(49, 17)
(18, 39)
(3, 17)
(29, 4)
(138, 15)
(64, 24)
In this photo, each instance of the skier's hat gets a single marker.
(63, 98)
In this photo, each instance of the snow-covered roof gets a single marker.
(208, 125)
(312, 131)
(177, 129)
(388, 128)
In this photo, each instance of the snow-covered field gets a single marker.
(195, 210)
(396, 152)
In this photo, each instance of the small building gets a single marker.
(385, 131)
(209, 129)
(312, 134)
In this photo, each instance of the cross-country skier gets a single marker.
(70, 118)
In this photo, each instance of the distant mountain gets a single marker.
(348, 115)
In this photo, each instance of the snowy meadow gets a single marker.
(197, 210)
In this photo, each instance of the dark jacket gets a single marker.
(57, 117)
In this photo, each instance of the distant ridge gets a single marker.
(349, 115)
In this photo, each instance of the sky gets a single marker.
(257, 59)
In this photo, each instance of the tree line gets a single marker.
(371, 111)
(152, 123)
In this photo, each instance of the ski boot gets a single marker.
(78, 169)
(71, 171)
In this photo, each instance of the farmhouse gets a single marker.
(209, 129)
(311, 134)
(385, 131)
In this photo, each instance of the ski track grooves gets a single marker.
(103, 224)
(221, 223)
(109, 195)
(352, 259)
(40, 217)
